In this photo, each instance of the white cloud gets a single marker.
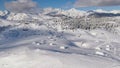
(86, 3)
(20, 5)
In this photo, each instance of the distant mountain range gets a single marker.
(59, 13)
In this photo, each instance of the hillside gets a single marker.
(56, 38)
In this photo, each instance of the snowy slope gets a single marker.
(39, 41)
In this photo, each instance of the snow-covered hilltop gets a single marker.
(56, 38)
(51, 11)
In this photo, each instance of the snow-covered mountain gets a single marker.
(56, 38)
(54, 12)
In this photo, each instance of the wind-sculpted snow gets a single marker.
(45, 41)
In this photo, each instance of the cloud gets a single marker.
(20, 5)
(86, 3)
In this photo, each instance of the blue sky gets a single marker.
(43, 3)
(104, 8)
(65, 4)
